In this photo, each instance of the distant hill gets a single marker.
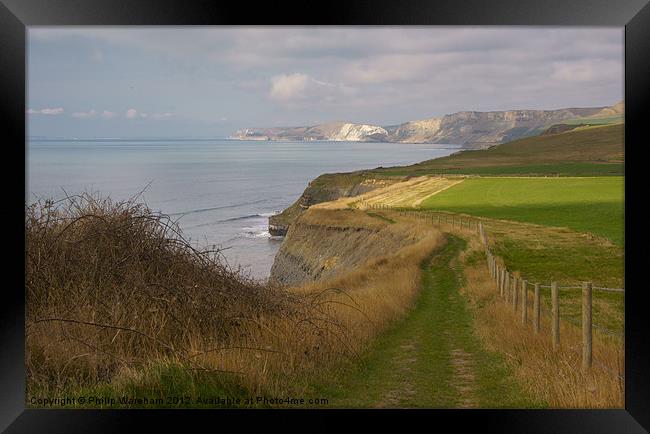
(585, 150)
(471, 129)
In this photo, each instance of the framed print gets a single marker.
(277, 214)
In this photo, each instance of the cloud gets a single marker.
(298, 88)
(394, 68)
(587, 70)
(108, 114)
(384, 74)
(46, 111)
(134, 114)
(159, 116)
(97, 55)
(287, 87)
(84, 115)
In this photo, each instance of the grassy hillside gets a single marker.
(584, 151)
(596, 150)
(584, 204)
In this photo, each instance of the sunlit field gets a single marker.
(594, 205)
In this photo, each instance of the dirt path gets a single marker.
(432, 358)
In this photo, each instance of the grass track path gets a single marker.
(432, 358)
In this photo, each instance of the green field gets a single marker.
(559, 169)
(594, 205)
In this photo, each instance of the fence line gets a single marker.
(510, 286)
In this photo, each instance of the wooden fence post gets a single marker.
(524, 301)
(498, 278)
(504, 275)
(555, 329)
(536, 308)
(586, 325)
(515, 293)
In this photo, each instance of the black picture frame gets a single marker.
(15, 15)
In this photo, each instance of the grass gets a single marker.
(173, 321)
(393, 331)
(545, 254)
(554, 376)
(163, 384)
(380, 216)
(559, 169)
(570, 260)
(592, 205)
(431, 358)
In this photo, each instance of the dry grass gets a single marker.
(354, 308)
(408, 193)
(114, 292)
(555, 376)
(379, 291)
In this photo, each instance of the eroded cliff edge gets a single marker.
(325, 188)
(323, 243)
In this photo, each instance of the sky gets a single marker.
(210, 81)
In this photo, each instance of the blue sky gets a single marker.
(210, 81)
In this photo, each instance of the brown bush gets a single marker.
(111, 284)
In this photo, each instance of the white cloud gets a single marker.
(292, 89)
(46, 111)
(158, 116)
(84, 115)
(134, 114)
(52, 111)
(288, 87)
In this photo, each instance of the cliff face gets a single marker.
(324, 189)
(323, 243)
(484, 129)
(471, 129)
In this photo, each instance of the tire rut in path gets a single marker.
(440, 287)
(432, 358)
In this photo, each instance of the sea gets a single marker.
(220, 191)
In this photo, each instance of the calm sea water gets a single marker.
(223, 191)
